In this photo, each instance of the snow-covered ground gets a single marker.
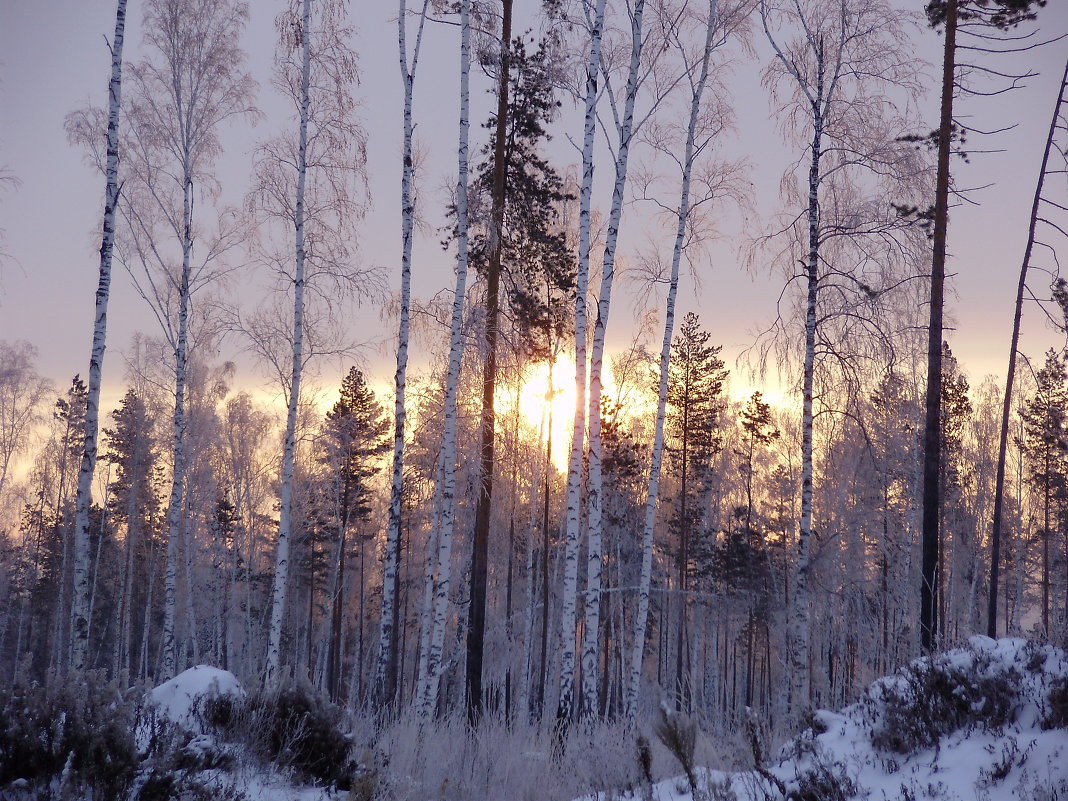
(974, 724)
(179, 698)
(987, 722)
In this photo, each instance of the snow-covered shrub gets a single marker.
(1057, 716)
(823, 780)
(290, 726)
(678, 733)
(70, 736)
(446, 760)
(931, 698)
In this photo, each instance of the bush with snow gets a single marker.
(986, 722)
(67, 739)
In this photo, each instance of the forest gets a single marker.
(562, 521)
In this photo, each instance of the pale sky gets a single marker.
(55, 60)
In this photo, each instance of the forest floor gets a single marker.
(987, 722)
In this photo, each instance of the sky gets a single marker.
(55, 59)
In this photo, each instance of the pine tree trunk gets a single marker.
(80, 623)
(337, 603)
(932, 440)
(476, 621)
(1010, 376)
(544, 661)
(281, 575)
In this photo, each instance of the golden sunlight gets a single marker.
(547, 393)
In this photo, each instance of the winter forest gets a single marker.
(640, 412)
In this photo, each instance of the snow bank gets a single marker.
(180, 697)
(988, 722)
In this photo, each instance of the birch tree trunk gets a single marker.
(574, 470)
(281, 575)
(799, 656)
(429, 697)
(80, 622)
(430, 568)
(633, 686)
(174, 506)
(594, 557)
(385, 681)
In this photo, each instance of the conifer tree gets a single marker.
(354, 440)
(696, 378)
(989, 16)
(132, 453)
(758, 431)
(1045, 449)
(523, 255)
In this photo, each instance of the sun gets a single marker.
(543, 396)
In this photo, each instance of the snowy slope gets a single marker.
(974, 724)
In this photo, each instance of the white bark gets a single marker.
(429, 573)
(175, 138)
(633, 686)
(178, 449)
(281, 576)
(594, 559)
(80, 618)
(574, 470)
(385, 668)
(428, 699)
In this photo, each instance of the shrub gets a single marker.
(290, 726)
(1057, 717)
(84, 728)
(824, 781)
(934, 699)
(678, 733)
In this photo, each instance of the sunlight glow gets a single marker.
(536, 404)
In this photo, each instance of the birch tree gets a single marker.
(705, 120)
(646, 71)
(189, 85)
(430, 672)
(385, 679)
(843, 79)
(80, 607)
(21, 391)
(309, 186)
(578, 437)
(594, 558)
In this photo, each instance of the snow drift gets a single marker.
(988, 721)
